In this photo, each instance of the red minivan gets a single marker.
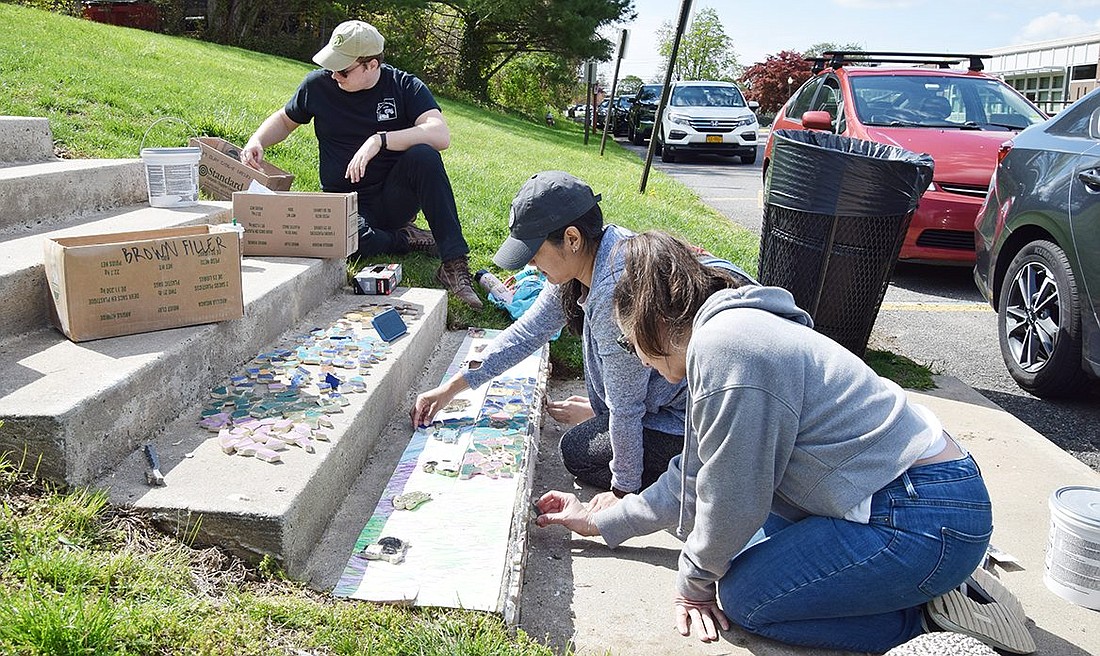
(917, 102)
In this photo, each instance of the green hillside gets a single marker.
(102, 87)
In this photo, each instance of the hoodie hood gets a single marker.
(776, 300)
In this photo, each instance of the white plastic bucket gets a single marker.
(1073, 554)
(172, 175)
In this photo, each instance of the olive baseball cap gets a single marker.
(350, 41)
(548, 201)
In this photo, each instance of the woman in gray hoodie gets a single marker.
(867, 507)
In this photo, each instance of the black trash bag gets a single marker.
(836, 210)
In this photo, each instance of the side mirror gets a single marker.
(753, 105)
(817, 120)
(1094, 124)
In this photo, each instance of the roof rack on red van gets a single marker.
(838, 58)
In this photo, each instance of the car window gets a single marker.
(801, 103)
(828, 98)
(702, 96)
(940, 102)
(1074, 121)
(649, 93)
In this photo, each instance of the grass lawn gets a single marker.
(102, 87)
(77, 577)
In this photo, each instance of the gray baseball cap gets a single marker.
(548, 201)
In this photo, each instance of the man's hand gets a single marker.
(705, 616)
(357, 167)
(573, 410)
(252, 154)
(567, 510)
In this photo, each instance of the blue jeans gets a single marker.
(824, 582)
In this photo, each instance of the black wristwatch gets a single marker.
(620, 493)
(382, 136)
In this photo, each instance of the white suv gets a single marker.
(708, 117)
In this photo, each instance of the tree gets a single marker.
(772, 81)
(293, 28)
(493, 33)
(706, 52)
(825, 46)
(533, 83)
(629, 84)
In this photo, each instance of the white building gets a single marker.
(1052, 74)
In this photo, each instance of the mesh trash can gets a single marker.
(835, 214)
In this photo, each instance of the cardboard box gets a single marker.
(378, 279)
(298, 223)
(135, 282)
(221, 172)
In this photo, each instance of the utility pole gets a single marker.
(589, 97)
(614, 88)
(685, 9)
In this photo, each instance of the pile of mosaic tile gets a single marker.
(284, 397)
(499, 434)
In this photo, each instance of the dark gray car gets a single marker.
(1038, 251)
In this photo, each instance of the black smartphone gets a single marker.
(389, 324)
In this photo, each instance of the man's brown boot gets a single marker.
(455, 276)
(419, 240)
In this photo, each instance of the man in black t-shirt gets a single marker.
(379, 133)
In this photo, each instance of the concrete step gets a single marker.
(34, 193)
(256, 508)
(22, 278)
(81, 408)
(330, 556)
(25, 139)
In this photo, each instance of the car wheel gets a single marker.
(749, 159)
(658, 147)
(1039, 322)
(667, 155)
(635, 138)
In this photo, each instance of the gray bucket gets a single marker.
(1073, 554)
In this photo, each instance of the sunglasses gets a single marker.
(347, 71)
(625, 344)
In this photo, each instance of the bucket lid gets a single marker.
(182, 150)
(1080, 501)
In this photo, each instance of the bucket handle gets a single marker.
(154, 123)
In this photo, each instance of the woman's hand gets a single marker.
(705, 616)
(427, 405)
(567, 510)
(573, 410)
(601, 501)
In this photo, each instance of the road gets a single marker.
(932, 315)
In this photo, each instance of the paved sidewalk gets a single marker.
(579, 594)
